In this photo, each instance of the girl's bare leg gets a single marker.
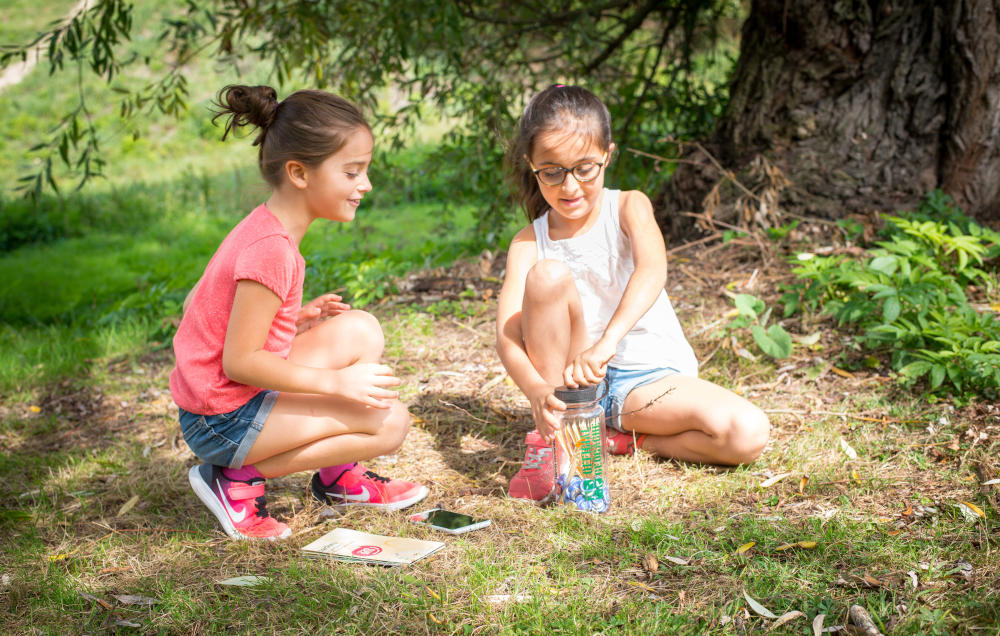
(305, 432)
(552, 322)
(696, 421)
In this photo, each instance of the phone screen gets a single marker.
(448, 519)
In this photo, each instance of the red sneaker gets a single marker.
(623, 443)
(361, 487)
(240, 507)
(537, 478)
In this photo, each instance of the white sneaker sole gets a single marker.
(396, 505)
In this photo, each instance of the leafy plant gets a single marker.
(362, 282)
(753, 314)
(907, 298)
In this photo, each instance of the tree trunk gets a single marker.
(862, 105)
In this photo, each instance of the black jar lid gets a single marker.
(579, 395)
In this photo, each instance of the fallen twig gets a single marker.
(644, 406)
(704, 239)
(459, 408)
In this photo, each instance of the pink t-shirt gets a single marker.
(259, 249)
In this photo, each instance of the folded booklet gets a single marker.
(353, 546)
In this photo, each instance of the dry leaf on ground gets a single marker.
(818, 624)
(787, 617)
(757, 607)
(128, 505)
(848, 450)
(767, 483)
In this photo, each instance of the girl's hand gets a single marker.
(319, 309)
(544, 405)
(590, 366)
(364, 381)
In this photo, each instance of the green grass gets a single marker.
(106, 293)
(72, 556)
(20, 20)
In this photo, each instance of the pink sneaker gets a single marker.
(537, 478)
(361, 487)
(623, 443)
(240, 507)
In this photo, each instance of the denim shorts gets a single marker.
(225, 440)
(621, 382)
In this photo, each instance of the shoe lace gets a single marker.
(537, 457)
(261, 503)
(370, 475)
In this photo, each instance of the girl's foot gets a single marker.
(361, 487)
(240, 506)
(536, 481)
(623, 443)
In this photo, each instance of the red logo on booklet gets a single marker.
(366, 551)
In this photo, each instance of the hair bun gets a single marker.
(247, 105)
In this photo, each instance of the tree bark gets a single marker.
(863, 106)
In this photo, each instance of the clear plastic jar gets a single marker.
(581, 450)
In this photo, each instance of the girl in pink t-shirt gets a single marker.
(265, 385)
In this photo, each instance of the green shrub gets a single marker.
(907, 298)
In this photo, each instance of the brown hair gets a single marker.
(555, 107)
(306, 126)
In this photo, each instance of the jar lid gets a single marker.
(579, 395)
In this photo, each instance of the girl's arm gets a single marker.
(645, 284)
(245, 360)
(521, 256)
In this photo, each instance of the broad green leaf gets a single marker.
(891, 308)
(937, 376)
(748, 305)
(775, 341)
(916, 369)
(884, 265)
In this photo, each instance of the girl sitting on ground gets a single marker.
(268, 386)
(583, 301)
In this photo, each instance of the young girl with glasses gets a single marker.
(583, 301)
(268, 386)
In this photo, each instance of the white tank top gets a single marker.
(601, 262)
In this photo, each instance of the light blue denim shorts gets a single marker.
(621, 382)
(225, 440)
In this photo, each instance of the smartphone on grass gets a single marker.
(448, 521)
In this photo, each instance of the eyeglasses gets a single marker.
(582, 172)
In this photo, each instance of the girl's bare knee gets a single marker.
(546, 277)
(365, 329)
(356, 330)
(748, 435)
(394, 429)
